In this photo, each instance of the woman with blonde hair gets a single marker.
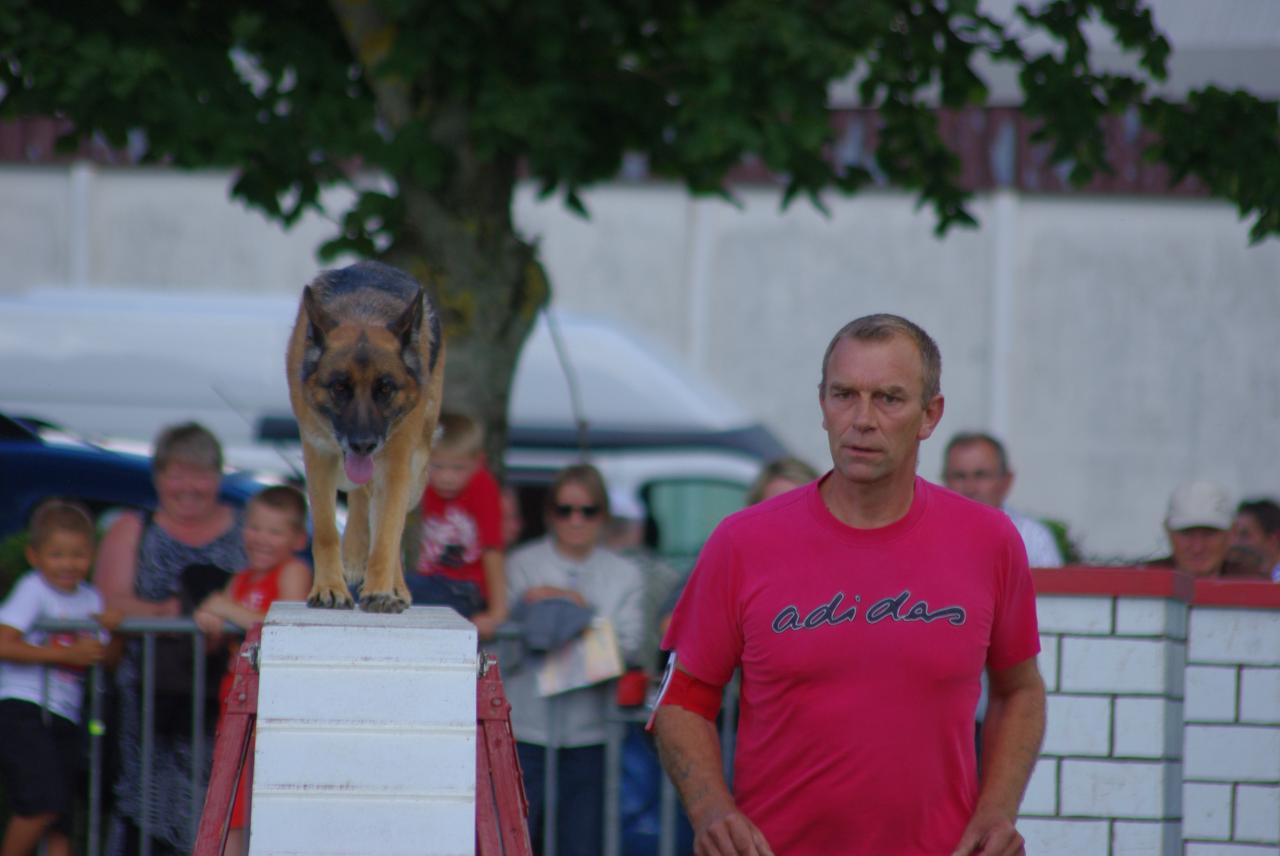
(139, 570)
(571, 565)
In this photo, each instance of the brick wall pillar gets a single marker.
(1109, 779)
(1231, 790)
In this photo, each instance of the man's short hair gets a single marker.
(284, 498)
(882, 326)
(59, 515)
(459, 435)
(1265, 511)
(966, 438)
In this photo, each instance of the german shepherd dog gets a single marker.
(366, 374)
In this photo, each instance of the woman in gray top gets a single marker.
(570, 563)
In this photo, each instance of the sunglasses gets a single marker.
(564, 512)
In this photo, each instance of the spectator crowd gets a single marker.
(593, 572)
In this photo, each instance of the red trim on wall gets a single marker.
(1131, 581)
(1257, 594)
(1125, 581)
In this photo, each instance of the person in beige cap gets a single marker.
(1199, 526)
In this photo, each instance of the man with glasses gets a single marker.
(978, 467)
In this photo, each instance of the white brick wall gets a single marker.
(1070, 614)
(1260, 696)
(1232, 753)
(1163, 733)
(1257, 815)
(1248, 636)
(1041, 797)
(1149, 616)
(1231, 739)
(1211, 693)
(1130, 789)
(1147, 728)
(1145, 838)
(1206, 811)
(1048, 661)
(1078, 725)
(1064, 837)
(1119, 665)
(1199, 849)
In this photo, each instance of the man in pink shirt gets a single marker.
(862, 610)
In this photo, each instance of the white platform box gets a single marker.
(366, 733)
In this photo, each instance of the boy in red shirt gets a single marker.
(275, 529)
(461, 562)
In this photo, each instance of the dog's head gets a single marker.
(362, 377)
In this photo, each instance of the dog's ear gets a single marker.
(406, 327)
(319, 321)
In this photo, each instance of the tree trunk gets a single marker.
(488, 286)
(458, 241)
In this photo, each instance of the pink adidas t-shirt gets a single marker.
(861, 654)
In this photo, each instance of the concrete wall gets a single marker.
(1163, 730)
(1120, 345)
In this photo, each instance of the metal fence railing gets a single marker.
(148, 630)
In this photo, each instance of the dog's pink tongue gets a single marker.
(359, 467)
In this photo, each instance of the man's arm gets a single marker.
(690, 751)
(1011, 736)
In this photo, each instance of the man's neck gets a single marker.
(869, 505)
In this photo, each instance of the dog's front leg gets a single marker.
(355, 537)
(384, 587)
(329, 590)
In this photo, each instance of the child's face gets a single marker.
(450, 472)
(63, 559)
(270, 536)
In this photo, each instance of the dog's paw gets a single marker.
(329, 598)
(383, 602)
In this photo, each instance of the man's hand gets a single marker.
(689, 748)
(990, 833)
(728, 832)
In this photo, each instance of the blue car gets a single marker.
(37, 461)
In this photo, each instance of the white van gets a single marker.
(117, 364)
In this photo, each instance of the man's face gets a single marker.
(973, 470)
(872, 410)
(1199, 550)
(1248, 533)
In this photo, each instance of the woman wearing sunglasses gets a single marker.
(571, 565)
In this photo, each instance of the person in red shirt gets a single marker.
(460, 563)
(275, 529)
(862, 610)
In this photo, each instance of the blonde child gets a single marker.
(275, 529)
(42, 677)
(461, 560)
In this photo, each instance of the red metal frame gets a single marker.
(502, 810)
(231, 755)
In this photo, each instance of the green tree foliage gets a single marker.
(446, 105)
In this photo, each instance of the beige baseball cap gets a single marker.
(1199, 503)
